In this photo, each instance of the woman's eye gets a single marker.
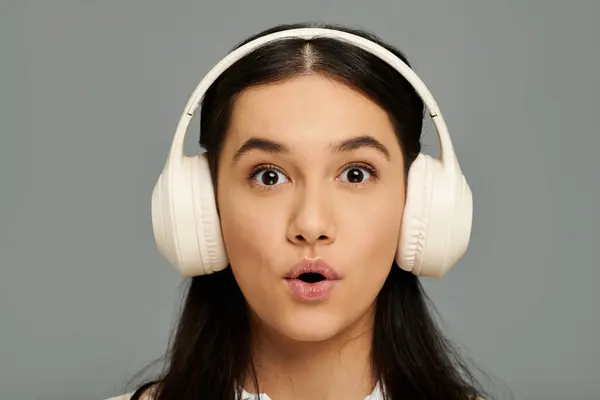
(269, 177)
(356, 174)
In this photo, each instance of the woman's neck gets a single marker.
(337, 368)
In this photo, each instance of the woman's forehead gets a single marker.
(308, 110)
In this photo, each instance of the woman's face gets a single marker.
(310, 179)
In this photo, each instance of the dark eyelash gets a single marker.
(266, 167)
(372, 171)
(263, 167)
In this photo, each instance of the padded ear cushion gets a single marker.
(186, 227)
(436, 225)
(416, 216)
(210, 238)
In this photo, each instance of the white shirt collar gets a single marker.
(376, 395)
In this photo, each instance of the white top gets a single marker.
(376, 395)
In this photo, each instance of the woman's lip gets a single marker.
(316, 266)
(308, 292)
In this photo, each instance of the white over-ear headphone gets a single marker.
(436, 225)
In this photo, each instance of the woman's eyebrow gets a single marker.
(348, 145)
(256, 143)
(361, 142)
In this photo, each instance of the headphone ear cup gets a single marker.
(186, 226)
(416, 216)
(163, 233)
(436, 225)
(210, 239)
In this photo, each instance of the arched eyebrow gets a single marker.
(361, 142)
(256, 143)
(345, 146)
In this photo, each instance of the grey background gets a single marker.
(90, 92)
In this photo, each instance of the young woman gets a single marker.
(309, 144)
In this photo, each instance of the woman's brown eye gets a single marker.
(356, 174)
(269, 177)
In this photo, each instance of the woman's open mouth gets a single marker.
(311, 280)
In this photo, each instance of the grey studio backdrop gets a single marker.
(90, 92)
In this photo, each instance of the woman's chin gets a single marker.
(310, 333)
(311, 322)
(311, 325)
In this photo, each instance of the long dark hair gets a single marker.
(210, 353)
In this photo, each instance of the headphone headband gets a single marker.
(447, 155)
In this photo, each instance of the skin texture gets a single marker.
(311, 209)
